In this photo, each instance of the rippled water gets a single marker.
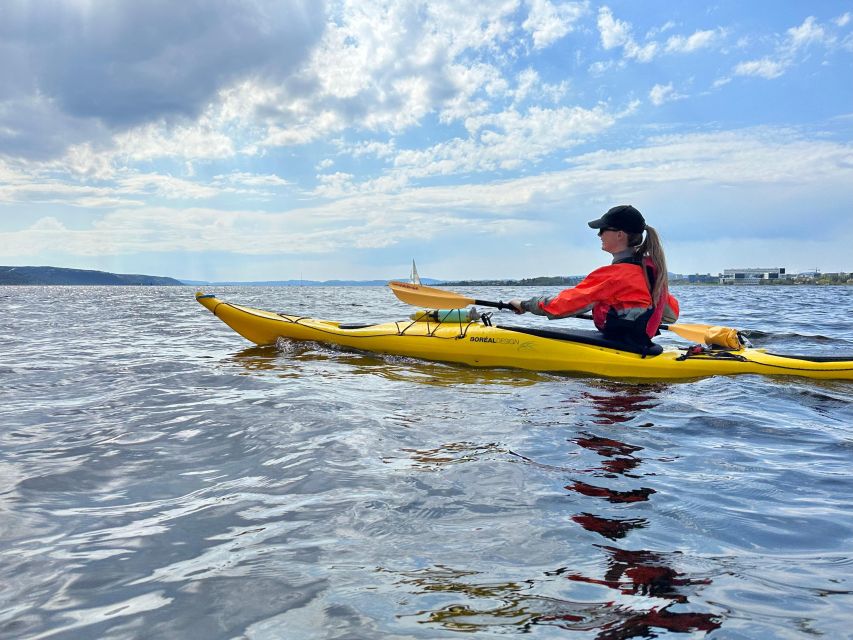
(160, 477)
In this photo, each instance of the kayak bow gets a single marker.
(477, 344)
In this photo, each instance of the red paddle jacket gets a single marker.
(620, 300)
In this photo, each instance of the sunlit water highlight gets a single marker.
(160, 477)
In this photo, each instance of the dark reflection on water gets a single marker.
(514, 604)
(647, 573)
(159, 477)
(622, 405)
(613, 528)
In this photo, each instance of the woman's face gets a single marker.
(613, 240)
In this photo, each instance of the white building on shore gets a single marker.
(755, 275)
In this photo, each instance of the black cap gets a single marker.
(624, 217)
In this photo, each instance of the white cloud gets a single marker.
(764, 68)
(771, 156)
(555, 92)
(666, 26)
(334, 185)
(527, 81)
(13, 175)
(474, 87)
(363, 223)
(603, 66)
(251, 179)
(48, 224)
(547, 22)
(643, 53)
(46, 190)
(664, 93)
(83, 75)
(48, 184)
(371, 148)
(694, 42)
(378, 66)
(384, 66)
(164, 186)
(529, 86)
(796, 39)
(614, 33)
(83, 160)
(806, 33)
(158, 140)
(699, 167)
(506, 140)
(842, 20)
(502, 141)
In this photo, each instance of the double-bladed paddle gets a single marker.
(420, 295)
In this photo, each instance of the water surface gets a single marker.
(161, 477)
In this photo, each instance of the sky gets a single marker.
(253, 140)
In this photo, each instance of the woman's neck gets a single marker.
(625, 253)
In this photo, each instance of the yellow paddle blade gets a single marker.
(692, 332)
(419, 295)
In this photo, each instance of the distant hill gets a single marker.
(60, 276)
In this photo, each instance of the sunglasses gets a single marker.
(603, 229)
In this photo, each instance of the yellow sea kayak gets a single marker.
(477, 344)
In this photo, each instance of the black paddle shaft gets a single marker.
(498, 305)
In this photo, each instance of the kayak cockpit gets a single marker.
(586, 336)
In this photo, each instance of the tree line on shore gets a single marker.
(569, 281)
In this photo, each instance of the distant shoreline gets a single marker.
(570, 282)
(59, 276)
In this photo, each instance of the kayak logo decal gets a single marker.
(493, 340)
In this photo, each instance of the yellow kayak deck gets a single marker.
(479, 345)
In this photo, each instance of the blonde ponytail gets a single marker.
(652, 247)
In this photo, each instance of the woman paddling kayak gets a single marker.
(629, 298)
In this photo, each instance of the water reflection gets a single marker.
(620, 458)
(471, 604)
(631, 573)
(611, 495)
(451, 453)
(619, 403)
(619, 454)
(643, 573)
(290, 358)
(648, 574)
(612, 528)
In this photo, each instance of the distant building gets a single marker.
(702, 278)
(752, 276)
